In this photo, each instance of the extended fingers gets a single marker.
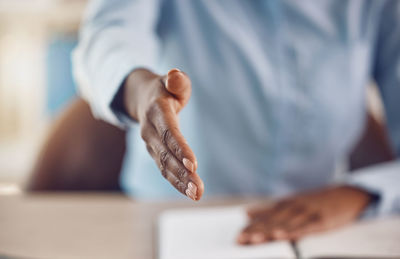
(171, 168)
(166, 126)
(165, 121)
(164, 98)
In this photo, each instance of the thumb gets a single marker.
(178, 84)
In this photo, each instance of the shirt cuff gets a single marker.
(381, 181)
(105, 109)
(101, 89)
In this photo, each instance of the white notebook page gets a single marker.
(376, 238)
(211, 234)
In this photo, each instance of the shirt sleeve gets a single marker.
(115, 38)
(384, 180)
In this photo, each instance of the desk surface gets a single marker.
(83, 225)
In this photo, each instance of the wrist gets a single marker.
(364, 197)
(136, 92)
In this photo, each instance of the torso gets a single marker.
(278, 92)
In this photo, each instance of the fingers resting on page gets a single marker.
(296, 216)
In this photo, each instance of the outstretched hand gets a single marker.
(155, 102)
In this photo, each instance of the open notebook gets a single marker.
(211, 233)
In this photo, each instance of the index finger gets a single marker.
(166, 125)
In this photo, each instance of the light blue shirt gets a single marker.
(279, 87)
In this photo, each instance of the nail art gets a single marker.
(191, 191)
(190, 194)
(188, 164)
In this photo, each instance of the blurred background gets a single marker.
(36, 40)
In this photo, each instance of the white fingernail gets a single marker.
(190, 194)
(188, 164)
(191, 191)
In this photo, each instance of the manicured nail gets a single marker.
(188, 164)
(190, 194)
(191, 191)
(257, 238)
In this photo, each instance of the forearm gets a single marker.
(116, 38)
